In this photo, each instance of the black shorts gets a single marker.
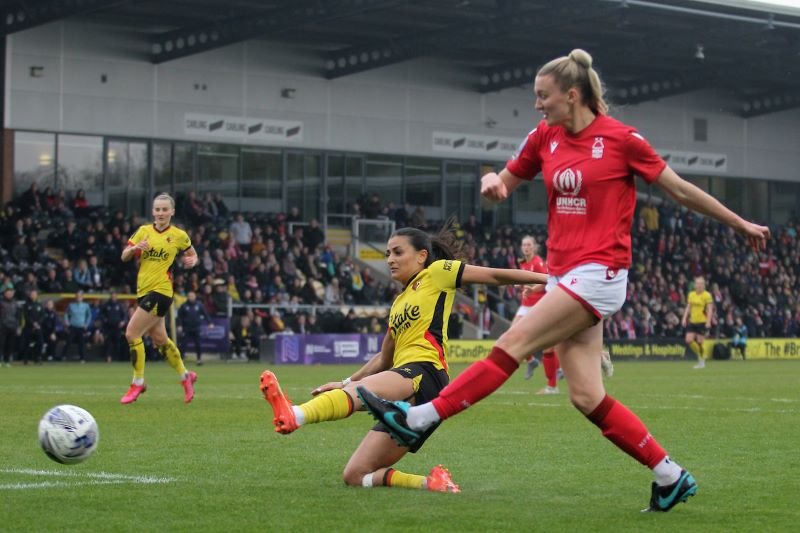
(699, 328)
(155, 303)
(432, 382)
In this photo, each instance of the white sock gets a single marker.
(421, 417)
(299, 415)
(138, 381)
(366, 481)
(667, 472)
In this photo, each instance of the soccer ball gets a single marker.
(68, 434)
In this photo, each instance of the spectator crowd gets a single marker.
(54, 245)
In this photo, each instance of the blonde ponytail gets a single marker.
(575, 70)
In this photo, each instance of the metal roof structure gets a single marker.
(644, 49)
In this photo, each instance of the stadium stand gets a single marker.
(55, 249)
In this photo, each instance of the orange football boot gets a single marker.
(439, 480)
(284, 419)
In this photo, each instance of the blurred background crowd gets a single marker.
(51, 244)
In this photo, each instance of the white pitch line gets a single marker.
(56, 484)
(96, 478)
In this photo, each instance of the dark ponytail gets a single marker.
(441, 245)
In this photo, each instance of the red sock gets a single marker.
(550, 363)
(623, 428)
(478, 381)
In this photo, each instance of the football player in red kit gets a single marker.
(530, 295)
(588, 161)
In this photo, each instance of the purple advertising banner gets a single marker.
(345, 348)
(215, 340)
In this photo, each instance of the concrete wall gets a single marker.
(393, 109)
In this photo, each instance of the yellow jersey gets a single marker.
(419, 315)
(697, 306)
(154, 265)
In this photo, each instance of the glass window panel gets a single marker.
(423, 182)
(531, 196)
(784, 202)
(218, 169)
(80, 162)
(262, 173)
(34, 160)
(334, 184)
(126, 176)
(137, 160)
(162, 166)
(312, 185)
(728, 191)
(354, 166)
(137, 201)
(294, 179)
(183, 167)
(757, 194)
(494, 214)
(354, 181)
(303, 183)
(117, 164)
(384, 177)
(503, 213)
(461, 181)
(127, 164)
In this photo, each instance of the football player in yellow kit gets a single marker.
(156, 245)
(412, 364)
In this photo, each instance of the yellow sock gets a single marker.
(173, 356)
(395, 478)
(696, 348)
(136, 349)
(330, 405)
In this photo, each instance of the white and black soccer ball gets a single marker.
(68, 434)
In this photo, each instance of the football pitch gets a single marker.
(524, 462)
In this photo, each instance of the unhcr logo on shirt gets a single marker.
(568, 184)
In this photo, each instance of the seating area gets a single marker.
(254, 259)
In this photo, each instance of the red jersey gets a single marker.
(536, 264)
(591, 189)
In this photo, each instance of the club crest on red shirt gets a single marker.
(597, 148)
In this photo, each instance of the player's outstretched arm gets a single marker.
(696, 199)
(501, 276)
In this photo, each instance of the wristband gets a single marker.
(346, 382)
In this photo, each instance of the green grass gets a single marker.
(524, 462)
